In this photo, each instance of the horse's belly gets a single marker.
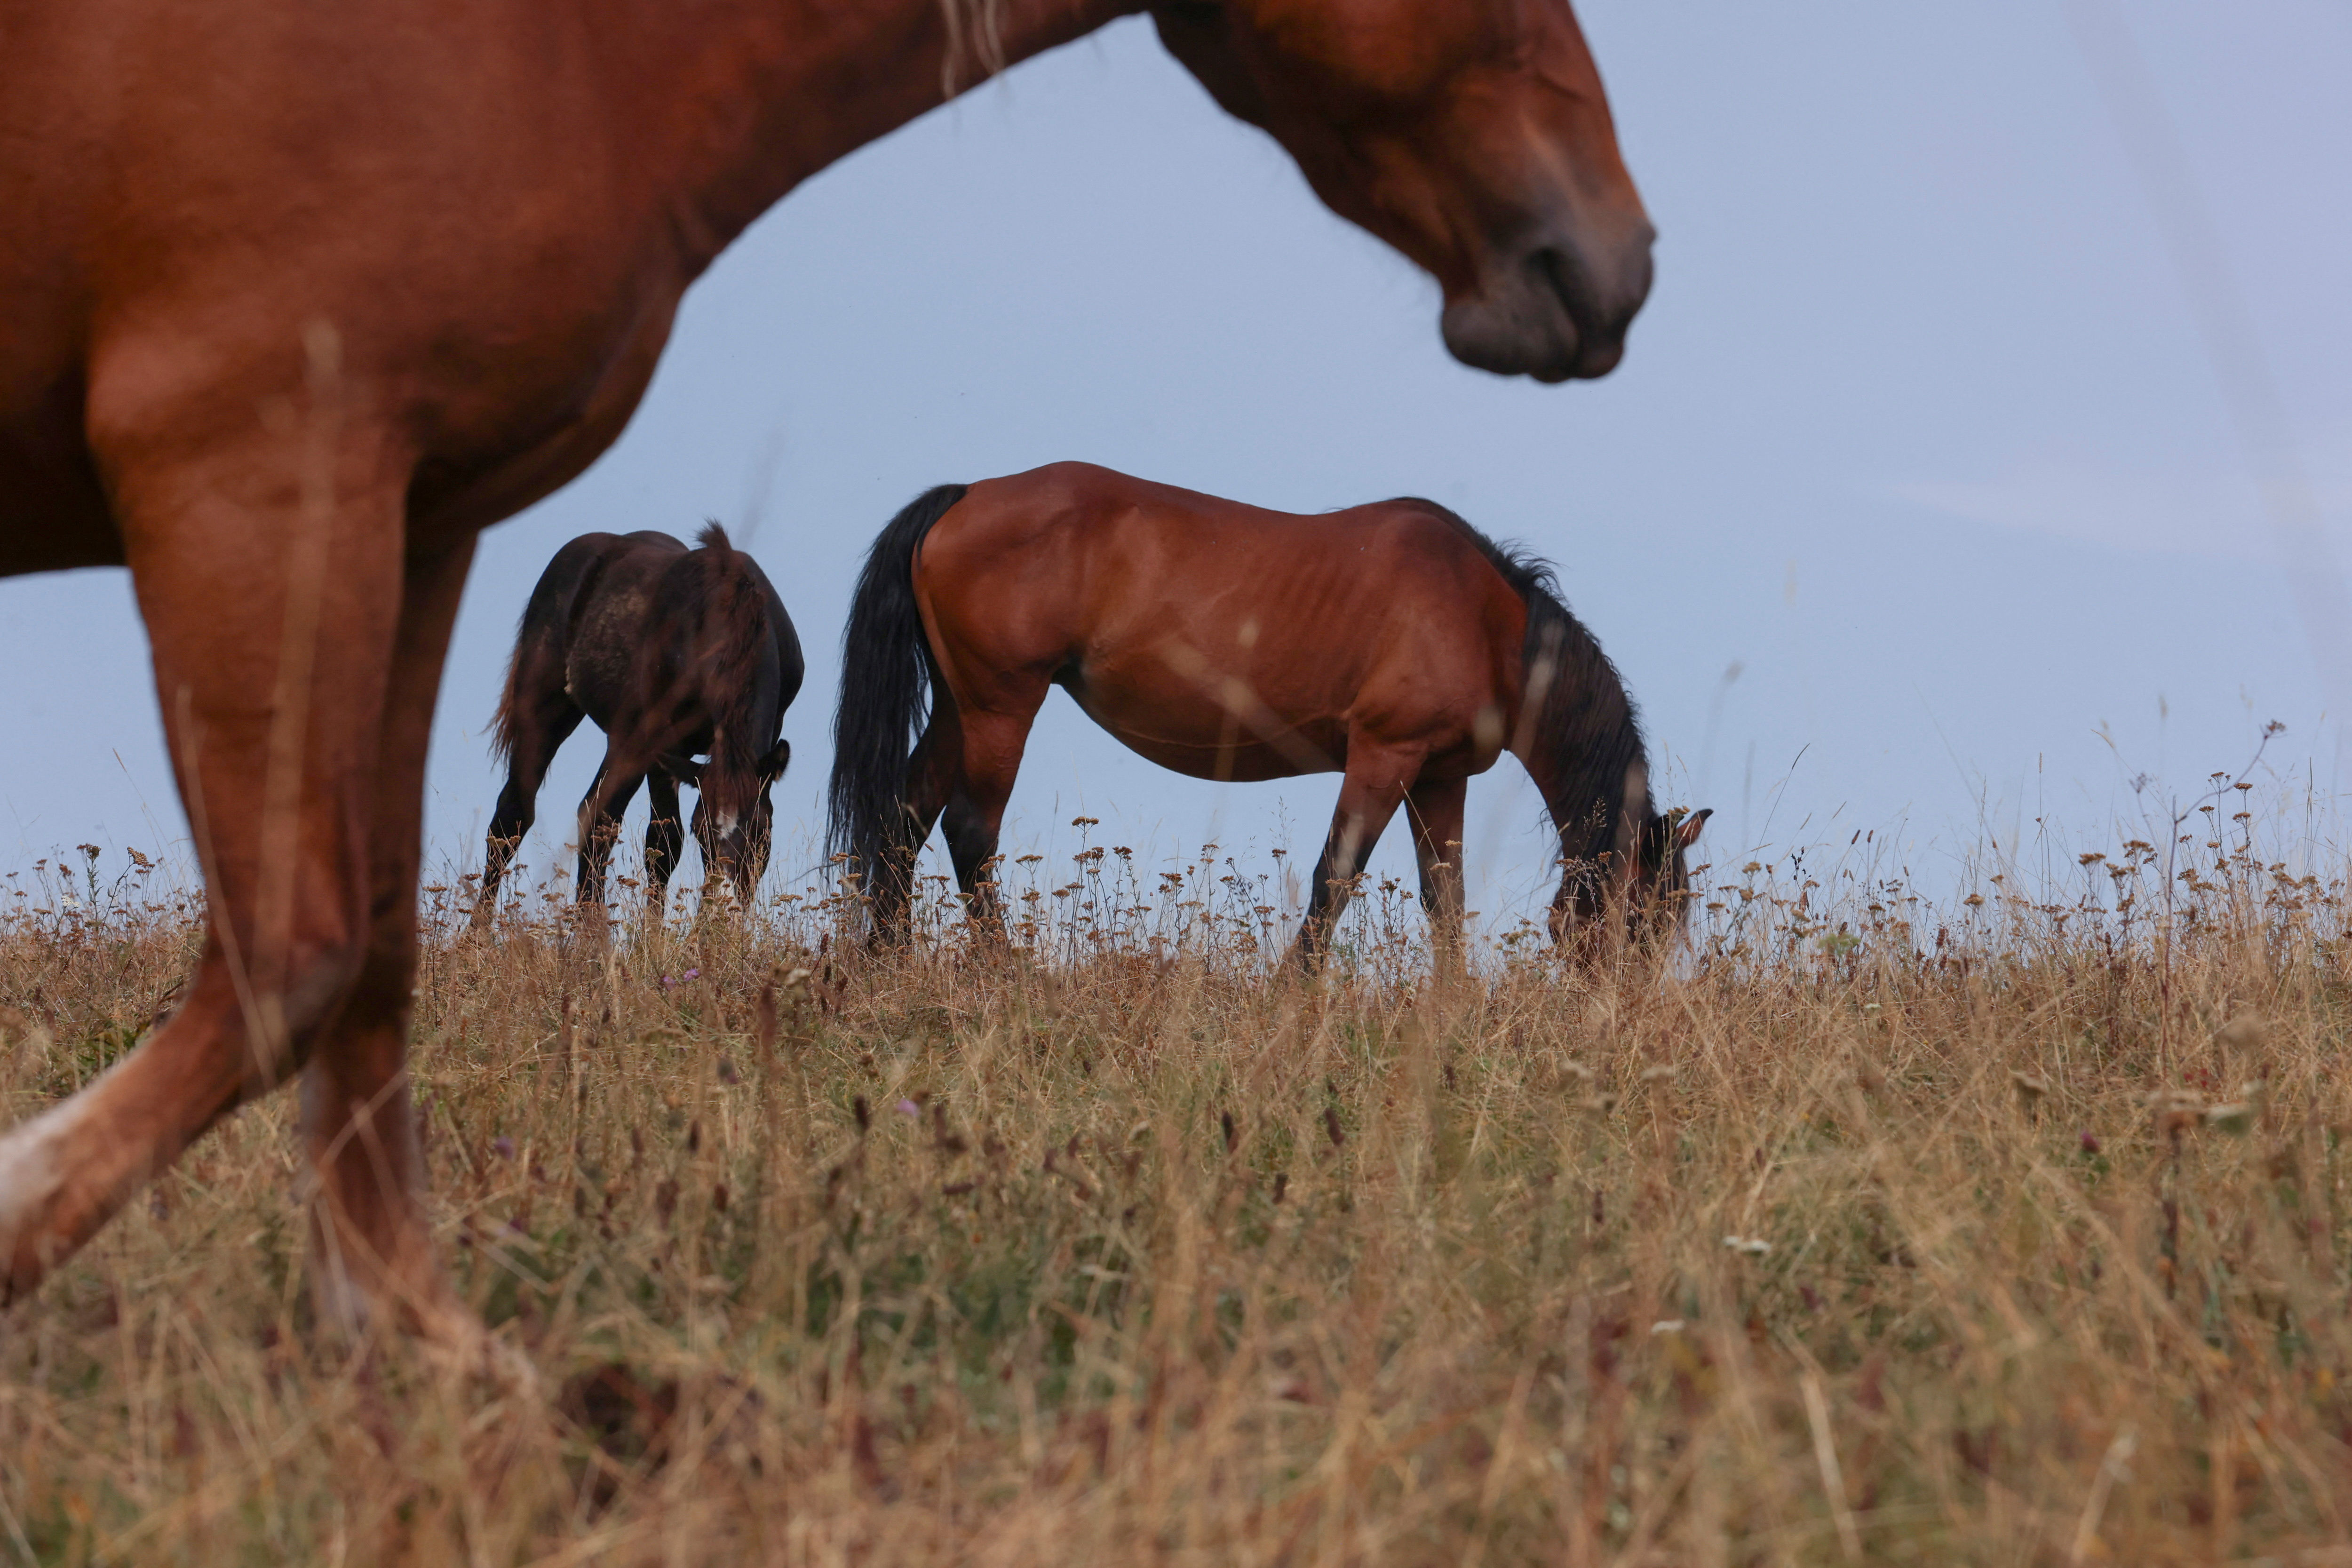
(1236, 739)
(53, 514)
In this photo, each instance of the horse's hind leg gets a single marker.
(1436, 812)
(271, 606)
(1375, 782)
(543, 719)
(934, 773)
(974, 814)
(665, 840)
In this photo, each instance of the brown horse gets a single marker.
(300, 297)
(1393, 644)
(672, 652)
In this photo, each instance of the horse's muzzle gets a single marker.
(1552, 309)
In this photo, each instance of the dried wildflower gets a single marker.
(2176, 1109)
(2245, 1031)
(2090, 1142)
(2235, 1116)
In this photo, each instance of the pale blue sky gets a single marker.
(1918, 429)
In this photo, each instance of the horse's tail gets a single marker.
(886, 678)
(546, 618)
(502, 722)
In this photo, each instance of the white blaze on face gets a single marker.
(726, 824)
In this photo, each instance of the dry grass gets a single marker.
(2015, 1236)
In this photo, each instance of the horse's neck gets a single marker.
(752, 97)
(1572, 794)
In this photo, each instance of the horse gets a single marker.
(1393, 644)
(672, 652)
(302, 298)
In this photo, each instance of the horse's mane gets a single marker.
(978, 27)
(1584, 726)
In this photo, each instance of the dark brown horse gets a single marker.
(1393, 644)
(299, 298)
(673, 652)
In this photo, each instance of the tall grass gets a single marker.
(2009, 1228)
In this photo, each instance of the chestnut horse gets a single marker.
(300, 297)
(1393, 644)
(672, 652)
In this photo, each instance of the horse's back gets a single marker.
(1146, 600)
(1080, 528)
(696, 629)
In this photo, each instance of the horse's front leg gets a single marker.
(1369, 793)
(1437, 811)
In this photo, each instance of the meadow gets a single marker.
(2005, 1228)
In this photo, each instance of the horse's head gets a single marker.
(1471, 134)
(1647, 879)
(734, 819)
(1657, 893)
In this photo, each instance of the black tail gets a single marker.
(886, 678)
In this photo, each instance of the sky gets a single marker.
(1928, 501)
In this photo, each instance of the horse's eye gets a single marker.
(1195, 13)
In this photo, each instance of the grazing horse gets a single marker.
(672, 652)
(300, 297)
(1393, 644)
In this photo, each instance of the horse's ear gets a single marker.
(1686, 830)
(684, 769)
(779, 758)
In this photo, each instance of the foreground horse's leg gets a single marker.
(372, 1251)
(1437, 813)
(1369, 793)
(544, 719)
(270, 604)
(665, 840)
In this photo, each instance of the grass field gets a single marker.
(2010, 1232)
